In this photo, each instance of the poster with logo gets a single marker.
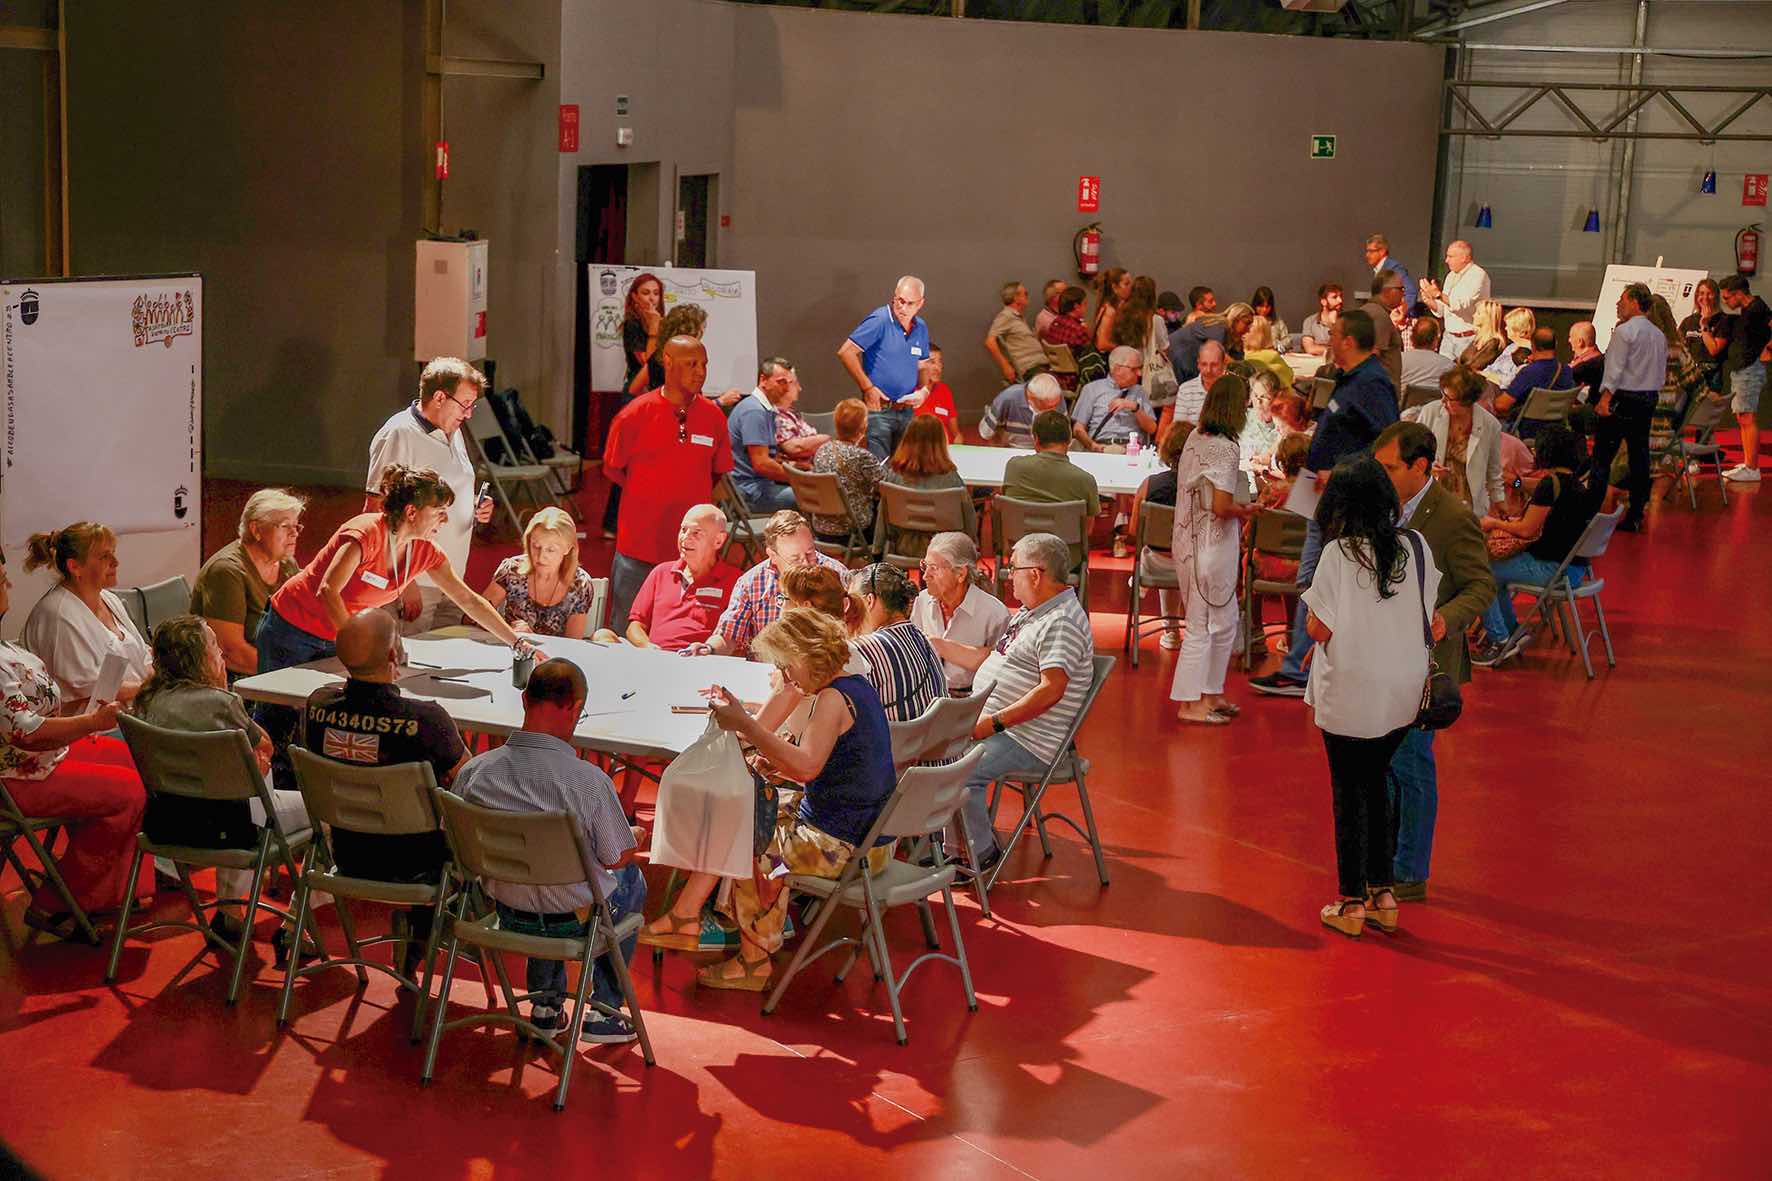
(1671, 283)
(728, 297)
(104, 404)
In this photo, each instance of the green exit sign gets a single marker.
(1322, 147)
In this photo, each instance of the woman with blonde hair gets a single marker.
(236, 583)
(543, 590)
(79, 622)
(1519, 324)
(1488, 340)
(1259, 351)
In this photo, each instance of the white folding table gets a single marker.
(982, 467)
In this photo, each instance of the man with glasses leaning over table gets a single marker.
(881, 356)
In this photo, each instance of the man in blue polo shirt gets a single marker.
(882, 356)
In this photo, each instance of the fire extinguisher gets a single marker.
(1087, 247)
(1747, 249)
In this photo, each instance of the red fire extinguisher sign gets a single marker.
(569, 127)
(442, 159)
(1753, 188)
(1089, 194)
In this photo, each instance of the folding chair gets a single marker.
(1543, 406)
(566, 465)
(1322, 389)
(16, 826)
(217, 765)
(916, 510)
(1068, 767)
(163, 600)
(1013, 519)
(598, 615)
(1156, 525)
(1420, 395)
(1061, 359)
(529, 849)
(1567, 599)
(1276, 533)
(509, 474)
(823, 421)
(396, 800)
(1702, 418)
(939, 733)
(137, 608)
(925, 800)
(744, 528)
(820, 494)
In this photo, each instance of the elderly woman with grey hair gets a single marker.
(1039, 673)
(902, 667)
(953, 606)
(237, 581)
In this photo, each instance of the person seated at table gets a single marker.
(1423, 362)
(1261, 434)
(757, 469)
(795, 437)
(857, 471)
(1258, 349)
(235, 584)
(79, 621)
(1292, 414)
(1557, 514)
(188, 691)
(1314, 338)
(1109, 410)
(1262, 302)
(1159, 488)
(954, 606)
(1049, 476)
(1468, 459)
(64, 764)
(1541, 370)
(680, 601)
(756, 599)
(922, 461)
(939, 402)
(1039, 672)
(543, 590)
(1288, 461)
(844, 759)
(1008, 420)
(1191, 394)
(366, 719)
(903, 669)
(537, 770)
(1519, 324)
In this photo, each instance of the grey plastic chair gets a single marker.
(1275, 533)
(38, 833)
(136, 607)
(744, 528)
(917, 510)
(397, 800)
(1544, 406)
(163, 600)
(1557, 593)
(823, 421)
(1068, 767)
(1067, 520)
(820, 494)
(925, 801)
(1322, 389)
(220, 766)
(1420, 395)
(940, 733)
(598, 615)
(1702, 418)
(528, 849)
(1156, 526)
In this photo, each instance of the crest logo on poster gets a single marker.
(179, 507)
(606, 328)
(606, 282)
(28, 307)
(162, 317)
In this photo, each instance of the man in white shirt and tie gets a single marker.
(1455, 298)
(1636, 369)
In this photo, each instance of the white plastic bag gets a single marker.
(707, 808)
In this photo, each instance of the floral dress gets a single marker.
(545, 621)
(858, 478)
(28, 694)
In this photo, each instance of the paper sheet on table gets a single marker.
(1303, 497)
(110, 677)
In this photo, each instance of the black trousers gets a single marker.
(1632, 413)
(1365, 821)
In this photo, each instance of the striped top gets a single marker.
(903, 669)
(1055, 634)
(539, 773)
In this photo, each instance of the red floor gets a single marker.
(1585, 995)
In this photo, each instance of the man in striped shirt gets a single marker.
(903, 669)
(1039, 672)
(757, 600)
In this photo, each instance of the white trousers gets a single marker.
(1206, 646)
(292, 816)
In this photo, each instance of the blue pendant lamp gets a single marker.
(1592, 225)
(1709, 183)
(1485, 219)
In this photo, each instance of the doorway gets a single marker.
(697, 197)
(602, 237)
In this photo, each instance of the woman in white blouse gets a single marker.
(1367, 604)
(953, 606)
(79, 621)
(1467, 455)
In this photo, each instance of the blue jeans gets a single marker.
(886, 427)
(1003, 758)
(547, 978)
(1415, 797)
(766, 496)
(1499, 619)
(625, 576)
(281, 644)
(1300, 644)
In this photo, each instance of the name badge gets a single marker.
(709, 592)
(702, 440)
(942, 411)
(916, 351)
(371, 578)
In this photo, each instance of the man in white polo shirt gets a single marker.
(427, 434)
(1455, 298)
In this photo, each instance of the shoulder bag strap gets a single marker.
(1427, 631)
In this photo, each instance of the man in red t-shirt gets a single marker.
(667, 450)
(940, 401)
(681, 601)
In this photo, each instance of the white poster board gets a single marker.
(1671, 283)
(728, 297)
(104, 405)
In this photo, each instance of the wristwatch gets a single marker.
(997, 726)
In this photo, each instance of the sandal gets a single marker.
(1336, 918)
(684, 935)
(1385, 917)
(750, 979)
(1211, 719)
(1227, 709)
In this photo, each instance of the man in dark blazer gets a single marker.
(1406, 451)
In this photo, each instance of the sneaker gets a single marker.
(1488, 654)
(608, 1029)
(1278, 684)
(1742, 474)
(1171, 640)
(547, 1018)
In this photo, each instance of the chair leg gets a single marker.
(438, 917)
(629, 996)
(580, 1009)
(290, 969)
(1579, 636)
(1605, 633)
(258, 885)
(1040, 827)
(442, 1007)
(928, 920)
(53, 875)
(884, 956)
(135, 868)
(1094, 833)
(349, 926)
(808, 944)
(947, 896)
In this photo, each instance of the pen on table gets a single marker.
(629, 694)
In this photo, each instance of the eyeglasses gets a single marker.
(291, 527)
(467, 406)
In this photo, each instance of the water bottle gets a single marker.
(1133, 445)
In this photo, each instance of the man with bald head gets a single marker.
(1455, 298)
(1191, 395)
(672, 446)
(368, 721)
(881, 356)
(681, 601)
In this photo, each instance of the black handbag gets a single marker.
(1441, 702)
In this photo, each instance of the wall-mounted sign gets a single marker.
(1089, 194)
(621, 104)
(1322, 147)
(1753, 189)
(569, 127)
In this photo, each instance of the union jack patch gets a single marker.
(352, 748)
